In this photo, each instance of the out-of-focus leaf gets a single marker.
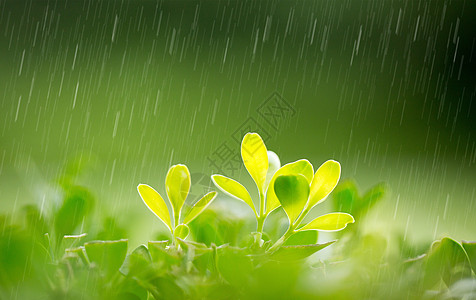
(155, 203)
(80, 252)
(292, 192)
(107, 255)
(77, 204)
(289, 253)
(34, 220)
(346, 197)
(181, 231)
(372, 197)
(302, 167)
(470, 248)
(137, 263)
(130, 289)
(447, 260)
(233, 188)
(162, 255)
(323, 182)
(308, 237)
(177, 184)
(234, 265)
(198, 207)
(329, 222)
(273, 166)
(255, 158)
(462, 289)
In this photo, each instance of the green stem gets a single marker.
(282, 239)
(261, 217)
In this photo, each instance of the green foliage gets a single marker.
(208, 254)
(177, 185)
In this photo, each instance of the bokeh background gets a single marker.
(127, 88)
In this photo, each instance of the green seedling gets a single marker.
(294, 186)
(177, 183)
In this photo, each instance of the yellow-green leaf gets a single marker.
(329, 222)
(292, 192)
(233, 188)
(181, 231)
(177, 184)
(255, 158)
(324, 181)
(302, 166)
(198, 207)
(155, 203)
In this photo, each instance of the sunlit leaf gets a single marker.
(470, 248)
(177, 184)
(290, 253)
(292, 192)
(323, 182)
(181, 231)
(329, 222)
(255, 158)
(302, 166)
(155, 203)
(233, 188)
(198, 207)
(108, 255)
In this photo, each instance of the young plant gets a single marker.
(298, 194)
(177, 184)
(260, 164)
(293, 186)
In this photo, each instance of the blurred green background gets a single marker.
(128, 88)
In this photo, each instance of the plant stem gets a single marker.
(261, 216)
(282, 239)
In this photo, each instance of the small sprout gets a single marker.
(177, 184)
(297, 196)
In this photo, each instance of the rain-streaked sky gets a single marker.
(385, 87)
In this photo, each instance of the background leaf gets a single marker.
(447, 260)
(289, 253)
(470, 248)
(273, 166)
(307, 237)
(107, 255)
(76, 206)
